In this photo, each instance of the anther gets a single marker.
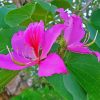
(89, 44)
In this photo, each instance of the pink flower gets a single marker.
(74, 33)
(30, 47)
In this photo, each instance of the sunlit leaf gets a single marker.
(40, 94)
(17, 16)
(86, 69)
(67, 87)
(95, 19)
(46, 5)
(61, 3)
(3, 11)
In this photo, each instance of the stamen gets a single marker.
(9, 51)
(87, 38)
(12, 58)
(19, 63)
(89, 44)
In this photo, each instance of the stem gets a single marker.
(85, 7)
(31, 19)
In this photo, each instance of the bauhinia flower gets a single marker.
(31, 47)
(74, 33)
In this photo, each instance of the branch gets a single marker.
(88, 3)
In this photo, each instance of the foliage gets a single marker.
(45, 93)
(87, 71)
(83, 80)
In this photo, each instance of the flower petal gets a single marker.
(97, 54)
(15, 62)
(74, 31)
(6, 63)
(34, 36)
(50, 37)
(26, 61)
(62, 14)
(79, 48)
(20, 47)
(53, 64)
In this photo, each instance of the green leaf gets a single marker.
(95, 19)
(3, 11)
(5, 77)
(28, 94)
(57, 82)
(70, 1)
(41, 14)
(55, 47)
(86, 69)
(46, 5)
(38, 94)
(61, 3)
(73, 87)
(17, 16)
(67, 87)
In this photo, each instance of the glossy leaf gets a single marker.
(95, 19)
(41, 13)
(46, 5)
(61, 3)
(3, 11)
(17, 16)
(86, 69)
(74, 87)
(67, 87)
(57, 82)
(41, 94)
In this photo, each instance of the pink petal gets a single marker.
(51, 36)
(79, 48)
(53, 64)
(20, 63)
(20, 47)
(6, 63)
(97, 54)
(74, 32)
(34, 36)
(62, 14)
(27, 61)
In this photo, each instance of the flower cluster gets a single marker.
(31, 46)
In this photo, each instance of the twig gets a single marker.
(88, 3)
